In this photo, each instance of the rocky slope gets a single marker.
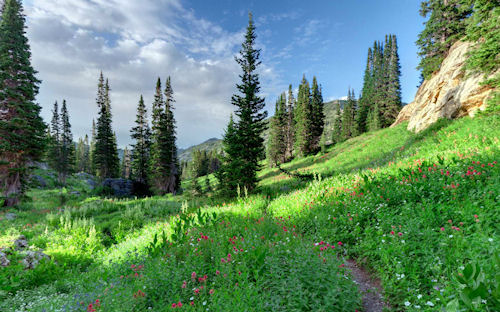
(450, 93)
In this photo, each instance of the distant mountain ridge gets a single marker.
(209, 145)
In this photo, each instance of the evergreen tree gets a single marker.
(79, 155)
(290, 125)
(366, 97)
(393, 87)
(105, 157)
(165, 172)
(126, 164)
(141, 149)
(303, 113)
(348, 124)
(22, 130)
(67, 153)
(230, 169)
(276, 144)
(251, 121)
(92, 148)
(446, 25)
(54, 143)
(317, 116)
(208, 187)
(337, 126)
(86, 155)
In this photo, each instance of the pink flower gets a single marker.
(217, 272)
(184, 284)
(442, 229)
(392, 232)
(174, 305)
(193, 275)
(340, 243)
(211, 291)
(400, 234)
(179, 304)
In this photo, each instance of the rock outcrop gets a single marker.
(119, 187)
(449, 93)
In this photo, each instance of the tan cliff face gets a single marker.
(449, 93)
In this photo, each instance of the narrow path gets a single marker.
(373, 301)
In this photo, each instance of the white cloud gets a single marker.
(134, 42)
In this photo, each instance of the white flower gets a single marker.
(204, 303)
(430, 304)
(417, 307)
(490, 240)
(450, 236)
(407, 303)
(419, 296)
(383, 241)
(192, 298)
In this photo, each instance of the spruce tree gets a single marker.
(317, 116)
(276, 144)
(22, 130)
(303, 113)
(165, 172)
(230, 168)
(92, 148)
(446, 25)
(348, 115)
(141, 134)
(290, 125)
(67, 153)
(86, 155)
(393, 86)
(366, 97)
(54, 144)
(337, 125)
(105, 157)
(251, 120)
(125, 164)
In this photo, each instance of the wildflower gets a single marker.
(211, 291)
(179, 304)
(217, 272)
(339, 243)
(392, 232)
(400, 234)
(174, 305)
(442, 229)
(407, 303)
(184, 284)
(430, 304)
(193, 275)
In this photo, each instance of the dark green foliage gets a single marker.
(22, 130)
(125, 166)
(446, 25)
(203, 162)
(141, 134)
(366, 95)
(105, 156)
(337, 126)
(67, 153)
(208, 187)
(290, 125)
(92, 147)
(164, 165)
(277, 145)
(302, 113)
(230, 168)
(348, 115)
(483, 28)
(317, 115)
(380, 100)
(247, 145)
(83, 155)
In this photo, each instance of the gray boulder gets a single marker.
(21, 243)
(10, 216)
(119, 187)
(33, 258)
(3, 260)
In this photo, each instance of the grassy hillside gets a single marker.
(415, 209)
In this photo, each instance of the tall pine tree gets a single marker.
(290, 125)
(250, 123)
(277, 146)
(22, 130)
(141, 134)
(303, 133)
(317, 116)
(67, 146)
(105, 157)
(446, 25)
(164, 166)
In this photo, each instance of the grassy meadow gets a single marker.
(419, 211)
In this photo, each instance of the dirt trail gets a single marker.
(373, 301)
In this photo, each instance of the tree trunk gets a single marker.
(12, 190)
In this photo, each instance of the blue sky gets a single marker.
(134, 42)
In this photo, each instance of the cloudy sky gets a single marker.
(194, 41)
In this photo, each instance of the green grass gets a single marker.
(391, 198)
